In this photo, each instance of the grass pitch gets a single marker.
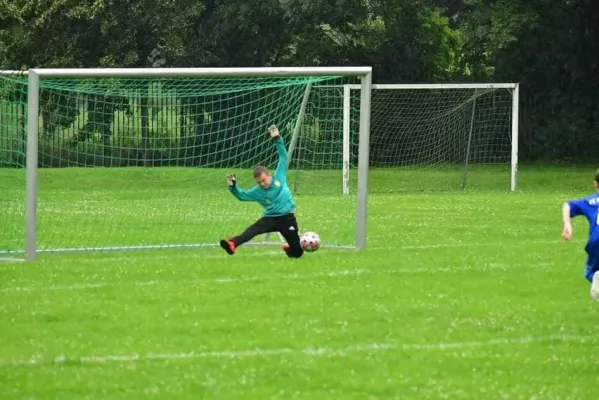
(461, 295)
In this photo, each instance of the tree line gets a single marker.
(548, 46)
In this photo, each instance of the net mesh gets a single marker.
(13, 121)
(436, 139)
(319, 161)
(142, 162)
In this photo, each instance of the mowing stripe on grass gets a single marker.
(265, 277)
(308, 351)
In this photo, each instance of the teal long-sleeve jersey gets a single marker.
(277, 199)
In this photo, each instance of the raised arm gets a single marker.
(283, 159)
(281, 170)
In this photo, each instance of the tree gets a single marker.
(550, 48)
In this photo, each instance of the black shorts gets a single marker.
(285, 224)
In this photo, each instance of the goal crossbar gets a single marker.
(198, 72)
(384, 86)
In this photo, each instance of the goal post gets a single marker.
(197, 123)
(437, 136)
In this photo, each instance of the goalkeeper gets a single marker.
(272, 193)
(589, 207)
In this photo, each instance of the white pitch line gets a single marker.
(441, 245)
(253, 278)
(117, 260)
(206, 282)
(154, 256)
(307, 351)
(10, 260)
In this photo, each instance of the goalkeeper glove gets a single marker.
(231, 180)
(273, 131)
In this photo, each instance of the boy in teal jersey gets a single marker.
(272, 193)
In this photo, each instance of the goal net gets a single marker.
(432, 137)
(13, 120)
(135, 159)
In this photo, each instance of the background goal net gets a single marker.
(432, 137)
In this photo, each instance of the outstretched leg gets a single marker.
(592, 269)
(595, 286)
(287, 225)
(592, 261)
(263, 225)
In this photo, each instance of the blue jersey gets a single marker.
(589, 207)
(276, 199)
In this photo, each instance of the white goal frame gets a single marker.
(515, 87)
(364, 73)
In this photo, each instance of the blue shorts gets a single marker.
(590, 271)
(592, 250)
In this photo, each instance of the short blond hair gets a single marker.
(259, 170)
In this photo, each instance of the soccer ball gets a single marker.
(310, 241)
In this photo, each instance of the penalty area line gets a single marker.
(11, 260)
(264, 277)
(306, 351)
(106, 259)
(450, 245)
(199, 282)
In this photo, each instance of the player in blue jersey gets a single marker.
(588, 207)
(272, 193)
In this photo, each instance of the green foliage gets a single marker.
(75, 33)
(488, 28)
(551, 51)
(445, 46)
(549, 47)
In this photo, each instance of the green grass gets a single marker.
(99, 207)
(461, 295)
